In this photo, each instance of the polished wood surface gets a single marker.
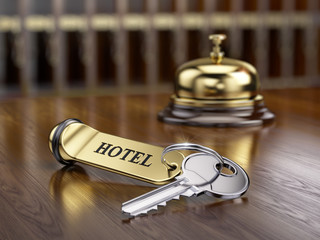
(41, 199)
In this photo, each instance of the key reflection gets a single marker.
(78, 195)
(199, 207)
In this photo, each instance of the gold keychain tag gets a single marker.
(71, 140)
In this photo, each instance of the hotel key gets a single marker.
(72, 141)
(201, 174)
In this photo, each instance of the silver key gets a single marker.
(199, 171)
(228, 186)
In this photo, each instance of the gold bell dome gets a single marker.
(217, 91)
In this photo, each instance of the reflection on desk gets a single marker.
(40, 199)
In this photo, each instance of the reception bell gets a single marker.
(216, 92)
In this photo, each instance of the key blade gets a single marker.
(193, 177)
(155, 198)
(190, 192)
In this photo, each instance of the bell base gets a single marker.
(255, 115)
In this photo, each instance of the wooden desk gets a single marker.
(39, 199)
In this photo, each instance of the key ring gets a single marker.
(192, 147)
(56, 140)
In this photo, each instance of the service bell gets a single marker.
(217, 91)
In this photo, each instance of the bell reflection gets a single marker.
(238, 144)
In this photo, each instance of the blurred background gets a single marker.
(73, 47)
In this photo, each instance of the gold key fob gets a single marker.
(72, 141)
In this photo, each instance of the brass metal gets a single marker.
(216, 54)
(217, 91)
(72, 141)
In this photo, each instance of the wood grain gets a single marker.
(41, 199)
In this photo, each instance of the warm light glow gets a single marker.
(243, 78)
(218, 69)
(189, 74)
(77, 197)
(239, 147)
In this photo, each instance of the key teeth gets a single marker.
(188, 193)
(171, 191)
(148, 210)
(163, 204)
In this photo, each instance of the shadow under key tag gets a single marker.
(72, 141)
